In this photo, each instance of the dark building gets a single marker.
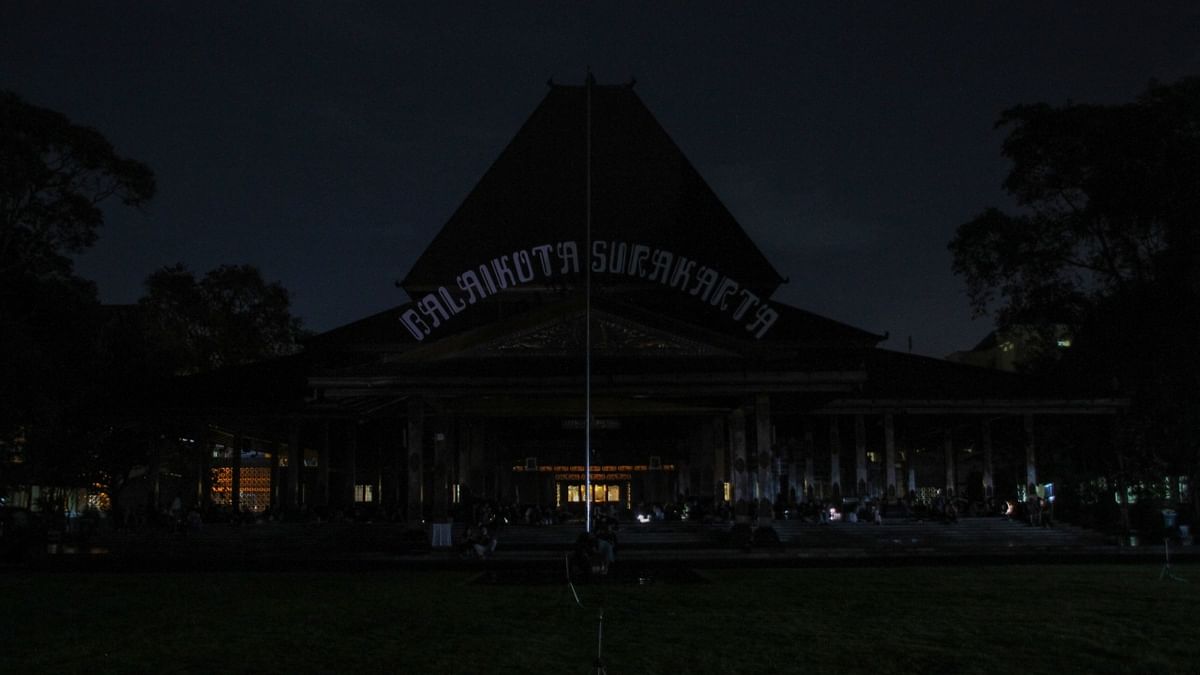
(592, 270)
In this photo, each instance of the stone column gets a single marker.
(909, 463)
(323, 466)
(741, 475)
(380, 471)
(204, 468)
(835, 457)
(951, 474)
(295, 468)
(985, 432)
(768, 485)
(416, 432)
(204, 455)
(235, 494)
(795, 472)
(1030, 460)
(700, 459)
(477, 477)
(810, 470)
(397, 473)
(889, 456)
(862, 489)
(155, 450)
(464, 442)
(719, 445)
(683, 476)
(278, 479)
(350, 464)
(441, 499)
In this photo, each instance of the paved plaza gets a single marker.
(352, 545)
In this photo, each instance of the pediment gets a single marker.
(610, 336)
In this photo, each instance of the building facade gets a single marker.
(593, 324)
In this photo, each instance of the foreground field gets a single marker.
(1018, 619)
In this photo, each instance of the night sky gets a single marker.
(327, 142)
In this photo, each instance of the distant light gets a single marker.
(1064, 342)
(643, 518)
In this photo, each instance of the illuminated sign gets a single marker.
(704, 283)
(579, 469)
(597, 423)
(595, 476)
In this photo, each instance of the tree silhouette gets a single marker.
(54, 177)
(1108, 201)
(230, 317)
(1106, 241)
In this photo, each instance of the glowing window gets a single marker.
(255, 487)
(600, 493)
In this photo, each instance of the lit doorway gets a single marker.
(601, 493)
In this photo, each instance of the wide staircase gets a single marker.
(966, 536)
(894, 536)
(267, 544)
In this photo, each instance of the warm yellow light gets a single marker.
(255, 487)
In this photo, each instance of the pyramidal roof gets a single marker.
(644, 193)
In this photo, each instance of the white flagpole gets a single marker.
(587, 318)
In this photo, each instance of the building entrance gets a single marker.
(571, 493)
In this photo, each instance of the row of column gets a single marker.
(728, 439)
(765, 452)
(287, 493)
(410, 467)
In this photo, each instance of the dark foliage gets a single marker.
(54, 176)
(1106, 241)
(230, 317)
(76, 398)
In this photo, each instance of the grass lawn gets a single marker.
(1016, 619)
